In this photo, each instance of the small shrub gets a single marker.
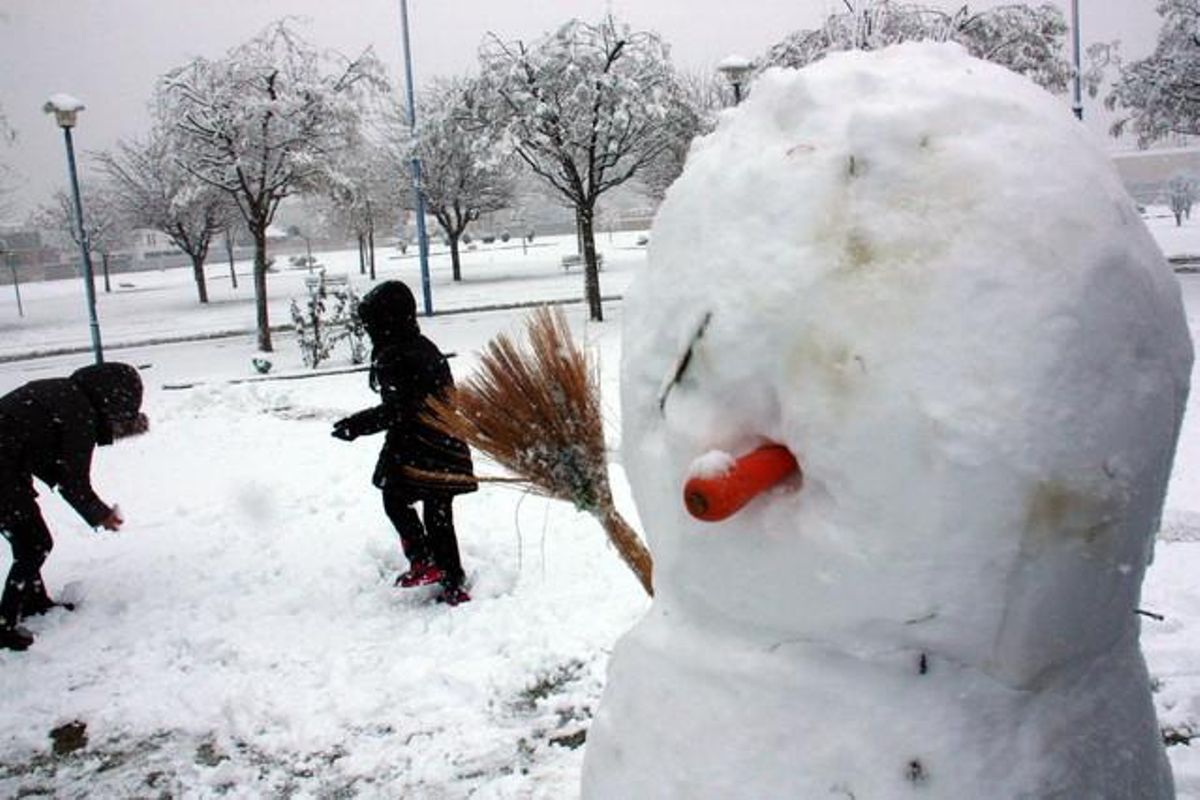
(329, 317)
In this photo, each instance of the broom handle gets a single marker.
(628, 543)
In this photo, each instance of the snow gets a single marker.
(240, 636)
(243, 631)
(63, 102)
(930, 285)
(711, 464)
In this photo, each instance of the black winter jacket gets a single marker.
(406, 373)
(49, 428)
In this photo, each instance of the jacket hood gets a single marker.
(114, 390)
(389, 313)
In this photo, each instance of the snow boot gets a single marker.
(15, 638)
(453, 596)
(421, 573)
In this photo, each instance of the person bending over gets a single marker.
(48, 429)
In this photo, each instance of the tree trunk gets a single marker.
(362, 256)
(198, 274)
(229, 252)
(455, 266)
(371, 249)
(260, 287)
(104, 267)
(591, 270)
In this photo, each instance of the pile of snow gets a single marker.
(922, 276)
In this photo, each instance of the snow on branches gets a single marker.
(586, 108)
(466, 168)
(1159, 93)
(264, 121)
(1020, 37)
(152, 190)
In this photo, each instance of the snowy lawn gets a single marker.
(241, 637)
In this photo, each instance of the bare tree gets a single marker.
(466, 170)
(586, 108)
(154, 191)
(1023, 38)
(105, 228)
(261, 124)
(1160, 94)
(7, 174)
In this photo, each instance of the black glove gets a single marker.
(343, 430)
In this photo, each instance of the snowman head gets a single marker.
(919, 274)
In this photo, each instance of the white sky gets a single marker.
(108, 53)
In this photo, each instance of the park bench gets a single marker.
(576, 260)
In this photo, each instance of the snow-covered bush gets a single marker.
(329, 316)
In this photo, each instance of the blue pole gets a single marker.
(422, 238)
(1077, 99)
(88, 286)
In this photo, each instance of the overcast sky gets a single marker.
(108, 53)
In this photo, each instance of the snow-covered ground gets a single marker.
(241, 636)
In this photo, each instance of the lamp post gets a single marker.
(65, 108)
(1077, 102)
(736, 70)
(422, 238)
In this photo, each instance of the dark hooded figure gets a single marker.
(48, 429)
(418, 462)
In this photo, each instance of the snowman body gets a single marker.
(916, 271)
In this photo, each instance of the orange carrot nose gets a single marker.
(713, 498)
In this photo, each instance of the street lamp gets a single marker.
(422, 238)
(736, 70)
(64, 107)
(1077, 102)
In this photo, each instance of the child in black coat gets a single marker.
(48, 429)
(418, 462)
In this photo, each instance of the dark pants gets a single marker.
(434, 541)
(30, 540)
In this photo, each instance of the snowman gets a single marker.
(915, 275)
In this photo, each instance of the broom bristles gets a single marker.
(536, 411)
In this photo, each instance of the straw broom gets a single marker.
(536, 411)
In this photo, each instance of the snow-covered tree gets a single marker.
(153, 190)
(466, 169)
(704, 95)
(261, 124)
(1160, 94)
(366, 192)
(105, 227)
(586, 108)
(1026, 39)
